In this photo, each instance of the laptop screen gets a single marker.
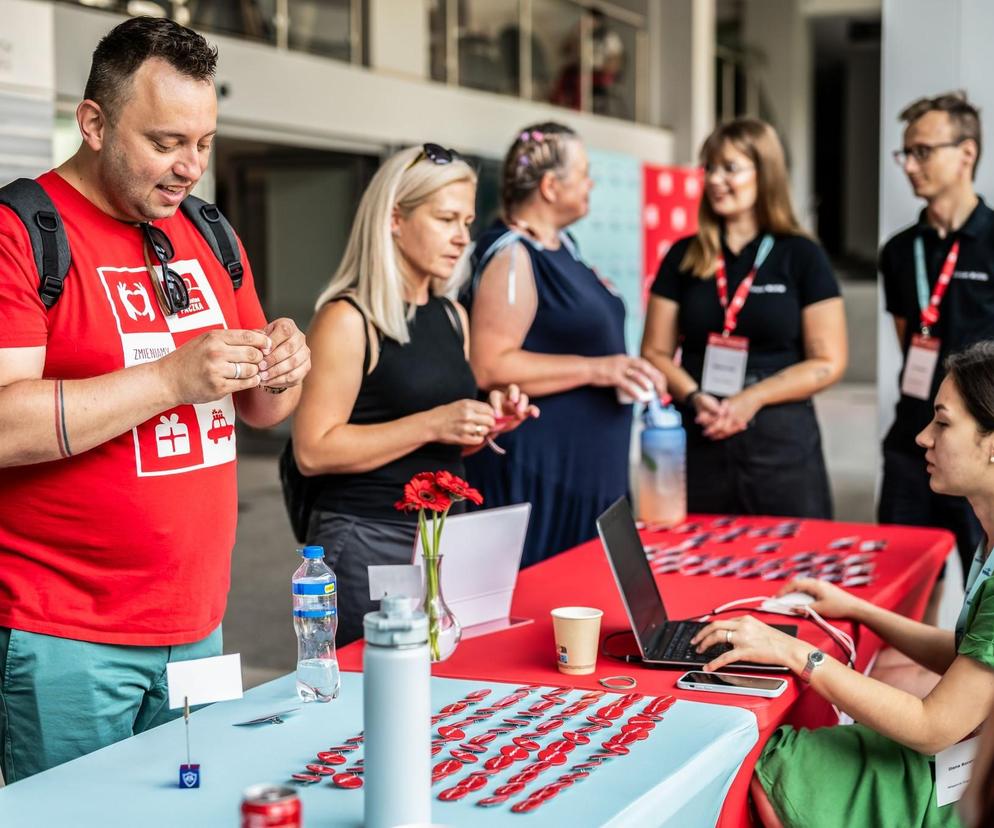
(631, 570)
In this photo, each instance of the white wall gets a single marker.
(682, 64)
(301, 99)
(928, 47)
(26, 88)
(780, 31)
(399, 37)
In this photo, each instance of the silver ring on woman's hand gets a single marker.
(480, 430)
(728, 636)
(238, 371)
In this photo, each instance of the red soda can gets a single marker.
(270, 806)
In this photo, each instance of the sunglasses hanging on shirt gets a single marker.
(168, 284)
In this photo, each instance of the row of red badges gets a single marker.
(524, 746)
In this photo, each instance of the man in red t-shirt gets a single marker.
(117, 408)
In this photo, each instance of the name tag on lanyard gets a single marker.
(726, 356)
(923, 355)
(725, 365)
(919, 367)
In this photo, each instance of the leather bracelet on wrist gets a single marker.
(270, 389)
(689, 399)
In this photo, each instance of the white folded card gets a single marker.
(204, 680)
(953, 767)
(394, 579)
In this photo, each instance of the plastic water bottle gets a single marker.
(663, 466)
(397, 716)
(315, 620)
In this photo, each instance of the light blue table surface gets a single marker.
(677, 777)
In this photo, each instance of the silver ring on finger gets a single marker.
(481, 430)
(238, 371)
(728, 636)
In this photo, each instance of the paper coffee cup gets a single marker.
(577, 631)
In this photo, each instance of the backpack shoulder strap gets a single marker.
(218, 233)
(49, 243)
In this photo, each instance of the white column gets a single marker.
(27, 82)
(780, 32)
(399, 37)
(681, 65)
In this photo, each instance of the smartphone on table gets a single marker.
(732, 683)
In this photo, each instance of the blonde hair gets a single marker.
(774, 209)
(369, 270)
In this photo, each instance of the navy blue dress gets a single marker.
(572, 462)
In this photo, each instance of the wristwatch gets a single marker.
(815, 658)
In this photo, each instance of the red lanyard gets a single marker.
(930, 311)
(742, 292)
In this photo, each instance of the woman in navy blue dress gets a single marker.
(542, 319)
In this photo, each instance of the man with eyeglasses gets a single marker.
(939, 287)
(118, 494)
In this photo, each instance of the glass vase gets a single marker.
(444, 631)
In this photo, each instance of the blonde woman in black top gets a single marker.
(753, 307)
(391, 392)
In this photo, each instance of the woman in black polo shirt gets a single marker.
(746, 322)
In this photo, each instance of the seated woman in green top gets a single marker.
(877, 773)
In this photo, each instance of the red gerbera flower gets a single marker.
(422, 493)
(457, 487)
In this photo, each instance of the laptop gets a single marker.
(482, 554)
(660, 640)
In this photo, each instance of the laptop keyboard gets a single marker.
(679, 648)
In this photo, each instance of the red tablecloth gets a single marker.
(905, 572)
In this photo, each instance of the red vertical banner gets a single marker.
(670, 198)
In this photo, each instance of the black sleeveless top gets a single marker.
(429, 371)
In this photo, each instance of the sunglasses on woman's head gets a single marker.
(169, 285)
(437, 154)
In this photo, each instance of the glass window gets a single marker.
(322, 27)
(614, 67)
(556, 26)
(488, 39)
(566, 38)
(249, 19)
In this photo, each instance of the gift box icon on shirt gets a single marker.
(172, 437)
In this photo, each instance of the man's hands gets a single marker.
(289, 359)
(222, 362)
(204, 369)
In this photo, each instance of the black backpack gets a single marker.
(50, 245)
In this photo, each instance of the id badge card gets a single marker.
(725, 365)
(919, 369)
(953, 768)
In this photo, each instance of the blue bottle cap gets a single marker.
(657, 415)
(312, 551)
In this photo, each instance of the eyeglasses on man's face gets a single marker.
(168, 284)
(922, 152)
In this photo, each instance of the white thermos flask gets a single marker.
(396, 697)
